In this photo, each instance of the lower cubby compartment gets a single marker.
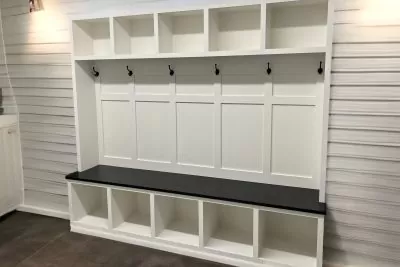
(131, 212)
(176, 220)
(228, 229)
(89, 205)
(288, 239)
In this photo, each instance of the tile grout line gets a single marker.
(41, 248)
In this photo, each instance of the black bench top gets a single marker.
(276, 196)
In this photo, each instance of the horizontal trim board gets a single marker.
(364, 151)
(50, 156)
(387, 64)
(45, 101)
(46, 137)
(299, 199)
(39, 49)
(51, 166)
(44, 175)
(365, 165)
(383, 138)
(45, 186)
(45, 92)
(47, 119)
(48, 146)
(46, 128)
(41, 83)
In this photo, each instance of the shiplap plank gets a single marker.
(366, 179)
(61, 36)
(377, 209)
(15, 10)
(382, 238)
(349, 4)
(360, 50)
(41, 83)
(45, 101)
(12, 3)
(377, 79)
(40, 71)
(45, 21)
(338, 258)
(352, 33)
(388, 64)
(46, 201)
(46, 128)
(45, 186)
(26, 109)
(47, 119)
(364, 248)
(48, 176)
(365, 93)
(51, 138)
(45, 146)
(364, 193)
(39, 49)
(364, 165)
(58, 93)
(48, 59)
(365, 107)
(364, 151)
(366, 222)
(50, 156)
(365, 137)
(51, 166)
(368, 123)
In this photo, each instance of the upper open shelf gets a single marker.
(284, 27)
(92, 37)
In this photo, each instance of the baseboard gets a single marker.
(45, 212)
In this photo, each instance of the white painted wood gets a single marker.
(242, 139)
(293, 135)
(195, 122)
(297, 25)
(130, 212)
(89, 206)
(153, 131)
(92, 37)
(230, 229)
(134, 35)
(181, 32)
(235, 28)
(288, 239)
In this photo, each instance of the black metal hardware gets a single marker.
(217, 71)
(95, 73)
(171, 71)
(269, 70)
(130, 72)
(320, 69)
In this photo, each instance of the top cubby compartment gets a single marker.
(235, 28)
(181, 32)
(135, 35)
(296, 24)
(92, 37)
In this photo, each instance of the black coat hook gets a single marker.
(320, 69)
(217, 71)
(171, 71)
(95, 73)
(269, 70)
(130, 72)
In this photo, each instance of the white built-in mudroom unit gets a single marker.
(203, 132)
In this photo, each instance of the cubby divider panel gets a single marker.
(131, 212)
(228, 229)
(89, 205)
(288, 238)
(176, 220)
(92, 37)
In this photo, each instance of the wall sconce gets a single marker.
(34, 5)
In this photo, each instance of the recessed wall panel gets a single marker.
(293, 135)
(195, 134)
(153, 131)
(242, 137)
(118, 138)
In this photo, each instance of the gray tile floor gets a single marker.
(28, 240)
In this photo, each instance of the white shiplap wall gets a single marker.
(363, 190)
